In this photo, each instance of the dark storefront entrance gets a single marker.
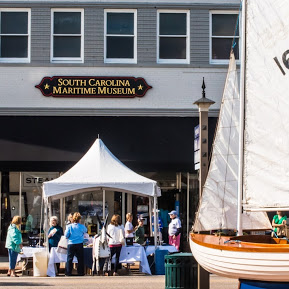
(159, 146)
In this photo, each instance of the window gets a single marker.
(120, 43)
(222, 31)
(173, 37)
(67, 35)
(15, 35)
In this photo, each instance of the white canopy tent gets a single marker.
(99, 169)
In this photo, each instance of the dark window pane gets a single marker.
(14, 22)
(120, 23)
(67, 22)
(14, 46)
(221, 48)
(119, 47)
(173, 24)
(172, 48)
(66, 46)
(224, 24)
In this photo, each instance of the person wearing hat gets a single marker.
(175, 230)
(140, 231)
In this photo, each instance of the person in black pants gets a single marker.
(75, 235)
(116, 232)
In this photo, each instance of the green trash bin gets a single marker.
(181, 271)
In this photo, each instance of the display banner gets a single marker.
(90, 86)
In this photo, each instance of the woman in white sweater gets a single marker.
(116, 232)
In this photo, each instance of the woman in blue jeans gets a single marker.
(13, 244)
(75, 235)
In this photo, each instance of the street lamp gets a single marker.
(203, 104)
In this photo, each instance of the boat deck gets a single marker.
(253, 243)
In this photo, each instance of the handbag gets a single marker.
(62, 245)
(121, 237)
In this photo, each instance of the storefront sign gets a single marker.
(86, 86)
(36, 179)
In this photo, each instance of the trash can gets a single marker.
(40, 261)
(160, 261)
(181, 271)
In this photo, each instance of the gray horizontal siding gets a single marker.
(147, 36)
(40, 35)
(94, 35)
(199, 38)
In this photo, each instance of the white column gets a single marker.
(62, 212)
(129, 203)
(188, 206)
(20, 194)
(123, 207)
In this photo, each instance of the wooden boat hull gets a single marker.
(263, 261)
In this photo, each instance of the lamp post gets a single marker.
(203, 104)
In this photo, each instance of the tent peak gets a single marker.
(100, 168)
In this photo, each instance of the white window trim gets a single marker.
(174, 61)
(223, 61)
(121, 60)
(67, 59)
(28, 58)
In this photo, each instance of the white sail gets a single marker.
(218, 206)
(266, 138)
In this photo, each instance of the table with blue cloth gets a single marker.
(151, 249)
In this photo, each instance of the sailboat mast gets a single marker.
(242, 112)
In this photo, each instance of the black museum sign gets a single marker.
(91, 86)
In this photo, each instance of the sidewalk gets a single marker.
(117, 282)
(120, 282)
(4, 265)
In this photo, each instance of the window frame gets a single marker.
(67, 59)
(187, 36)
(223, 61)
(121, 60)
(17, 59)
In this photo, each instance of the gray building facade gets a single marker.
(172, 45)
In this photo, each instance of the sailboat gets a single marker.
(249, 170)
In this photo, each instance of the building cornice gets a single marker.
(104, 112)
(213, 4)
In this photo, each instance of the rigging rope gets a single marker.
(236, 28)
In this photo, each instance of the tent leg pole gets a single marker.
(45, 225)
(61, 205)
(103, 204)
(123, 208)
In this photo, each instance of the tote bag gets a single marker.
(62, 245)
